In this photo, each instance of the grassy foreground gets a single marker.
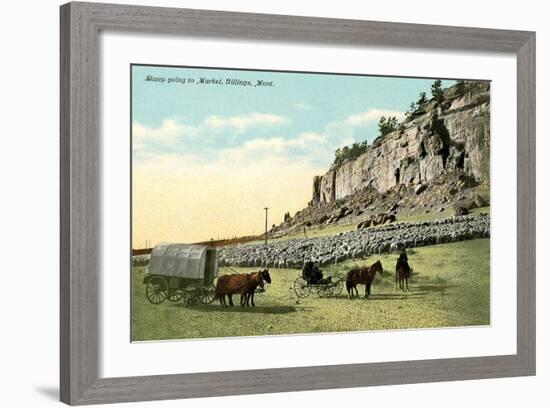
(449, 288)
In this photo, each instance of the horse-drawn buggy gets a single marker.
(181, 272)
(312, 281)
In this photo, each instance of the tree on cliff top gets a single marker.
(437, 92)
(387, 125)
(349, 153)
(346, 153)
(422, 100)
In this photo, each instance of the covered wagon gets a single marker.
(181, 272)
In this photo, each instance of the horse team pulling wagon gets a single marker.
(181, 272)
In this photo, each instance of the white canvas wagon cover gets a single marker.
(183, 260)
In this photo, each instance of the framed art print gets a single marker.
(236, 182)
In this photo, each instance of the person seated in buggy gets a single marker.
(313, 275)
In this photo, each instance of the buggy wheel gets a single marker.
(338, 287)
(175, 295)
(301, 287)
(324, 291)
(156, 290)
(207, 294)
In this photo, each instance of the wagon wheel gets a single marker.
(175, 295)
(191, 299)
(207, 294)
(338, 287)
(156, 290)
(301, 287)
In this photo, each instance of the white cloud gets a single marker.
(244, 122)
(371, 116)
(305, 145)
(166, 134)
(172, 136)
(302, 106)
(352, 128)
(274, 144)
(307, 138)
(180, 143)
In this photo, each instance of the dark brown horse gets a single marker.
(244, 284)
(229, 285)
(402, 272)
(255, 279)
(362, 276)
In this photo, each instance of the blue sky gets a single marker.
(207, 158)
(205, 119)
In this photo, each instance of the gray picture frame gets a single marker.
(80, 235)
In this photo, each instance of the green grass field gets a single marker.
(449, 288)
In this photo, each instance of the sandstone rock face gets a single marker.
(449, 139)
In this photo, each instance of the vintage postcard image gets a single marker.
(278, 203)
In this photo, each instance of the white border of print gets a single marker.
(119, 357)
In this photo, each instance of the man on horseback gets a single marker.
(402, 270)
(403, 256)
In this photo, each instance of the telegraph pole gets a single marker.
(266, 209)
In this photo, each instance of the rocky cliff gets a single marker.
(451, 137)
(438, 159)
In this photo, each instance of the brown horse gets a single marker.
(255, 279)
(402, 272)
(229, 285)
(362, 276)
(240, 283)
